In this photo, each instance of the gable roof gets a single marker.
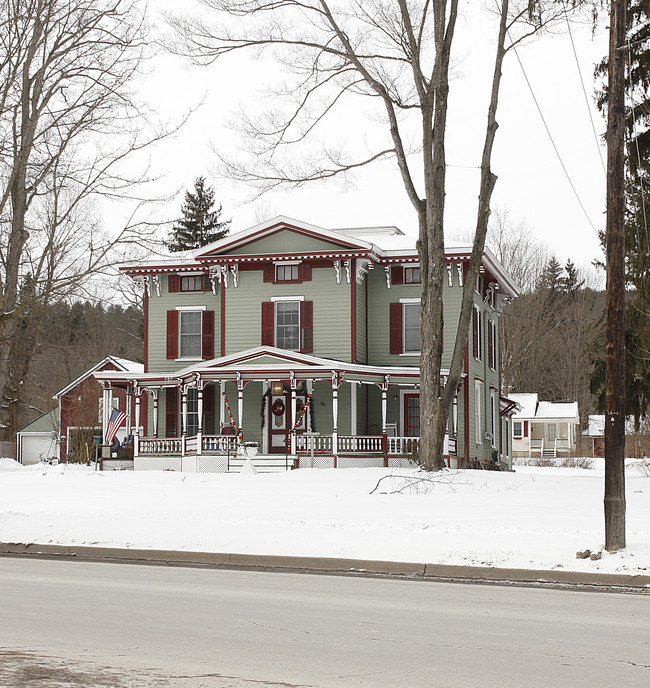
(533, 409)
(46, 422)
(120, 364)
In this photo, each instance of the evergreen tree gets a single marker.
(200, 224)
(551, 280)
(637, 233)
(571, 282)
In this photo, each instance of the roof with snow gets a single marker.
(533, 409)
(110, 362)
(596, 426)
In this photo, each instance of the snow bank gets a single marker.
(10, 465)
(534, 518)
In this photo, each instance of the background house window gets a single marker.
(517, 429)
(477, 339)
(493, 417)
(189, 342)
(286, 273)
(287, 325)
(411, 319)
(412, 276)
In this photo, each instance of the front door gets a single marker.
(280, 422)
(411, 415)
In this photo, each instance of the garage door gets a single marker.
(36, 445)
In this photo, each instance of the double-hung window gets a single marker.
(189, 333)
(411, 324)
(287, 325)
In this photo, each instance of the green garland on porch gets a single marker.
(265, 396)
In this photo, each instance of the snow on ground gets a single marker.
(536, 517)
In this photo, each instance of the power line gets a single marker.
(548, 131)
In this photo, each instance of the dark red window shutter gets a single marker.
(207, 335)
(525, 428)
(304, 272)
(269, 273)
(171, 412)
(475, 333)
(174, 283)
(396, 343)
(172, 334)
(306, 326)
(208, 409)
(397, 274)
(268, 323)
(490, 344)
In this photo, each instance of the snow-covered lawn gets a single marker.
(533, 518)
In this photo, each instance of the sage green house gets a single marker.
(302, 343)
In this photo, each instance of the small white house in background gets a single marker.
(543, 428)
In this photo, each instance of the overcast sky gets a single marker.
(531, 184)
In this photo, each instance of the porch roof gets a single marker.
(270, 363)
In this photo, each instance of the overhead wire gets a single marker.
(555, 148)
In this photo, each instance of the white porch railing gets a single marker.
(537, 446)
(562, 445)
(219, 444)
(159, 446)
(360, 444)
(321, 443)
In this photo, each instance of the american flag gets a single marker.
(117, 418)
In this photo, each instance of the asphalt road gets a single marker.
(67, 624)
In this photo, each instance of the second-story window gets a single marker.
(286, 273)
(192, 283)
(287, 325)
(189, 333)
(412, 276)
(411, 327)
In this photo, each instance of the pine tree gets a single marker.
(551, 279)
(571, 282)
(200, 224)
(637, 232)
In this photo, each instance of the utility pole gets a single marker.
(614, 502)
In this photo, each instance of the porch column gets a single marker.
(354, 386)
(240, 406)
(293, 416)
(222, 405)
(105, 404)
(199, 430)
(454, 416)
(335, 417)
(136, 435)
(310, 391)
(129, 409)
(155, 412)
(384, 414)
(183, 418)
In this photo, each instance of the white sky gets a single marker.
(531, 181)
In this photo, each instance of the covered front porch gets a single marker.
(281, 409)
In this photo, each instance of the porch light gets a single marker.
(277, 387)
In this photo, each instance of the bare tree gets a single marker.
(398, 54)
(68, 124)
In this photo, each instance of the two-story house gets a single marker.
(306, 342)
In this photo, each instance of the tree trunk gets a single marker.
(614, 503)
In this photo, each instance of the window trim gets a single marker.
(411, 267)
(521, 431)
(291, 264)
(493, 416)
